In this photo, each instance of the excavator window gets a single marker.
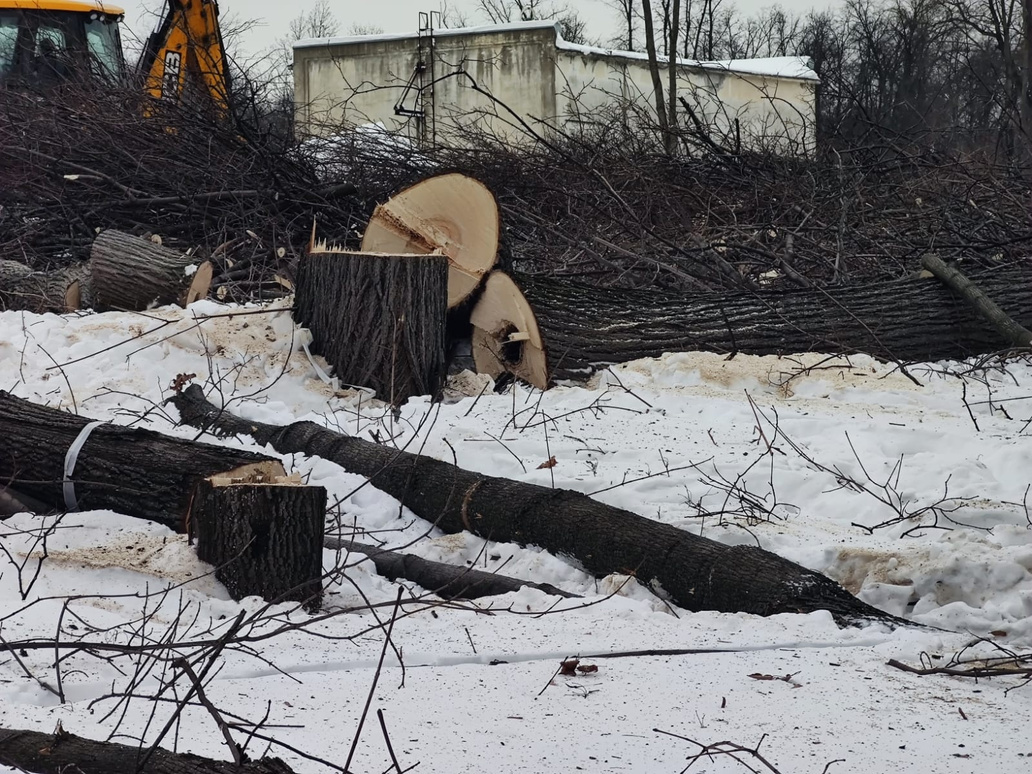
(43, 47)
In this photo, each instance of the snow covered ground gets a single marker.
(897, 488)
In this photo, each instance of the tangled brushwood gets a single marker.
(610, 209)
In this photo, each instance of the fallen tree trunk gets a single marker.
(129, 273)
(448, 581)
(136, 472)
(582, 328)
(264, 538)
(379, 320)
(25, 290)
(694, 572)
(63, 753)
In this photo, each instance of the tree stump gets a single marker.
(378, 319)
(133, 274)
(22, 289)
(452, 214)
(264, 538)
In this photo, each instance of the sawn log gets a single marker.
(692, 571)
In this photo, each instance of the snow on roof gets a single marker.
(797, 67)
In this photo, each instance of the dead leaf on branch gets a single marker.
(180, 382)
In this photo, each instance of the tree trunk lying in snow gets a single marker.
(136, 472)
(64, 753)
(445, 580)
(564, 330)
(696, 573)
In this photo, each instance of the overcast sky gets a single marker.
(273, 16)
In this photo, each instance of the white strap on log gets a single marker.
(325, 377)
(71, 457)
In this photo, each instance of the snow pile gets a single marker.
(888, 482)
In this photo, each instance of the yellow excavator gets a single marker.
(54, 41)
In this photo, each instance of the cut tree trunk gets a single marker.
(585, 328)
(452, 214)
(132, 274)
(136, 472)
(264, 539)
(379, 320)
(64, 753)
(694, 572)
(448, 581)
(25, 290)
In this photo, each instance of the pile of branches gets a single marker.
(76, 160)
(594, 211)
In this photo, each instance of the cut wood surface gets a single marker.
(692, 571)
(130, 273)
(452, 213)
(585, 328)
(445, 580)
(506, 336)
(379, 320)
(64, 753)
(264, 538)
(58, 291)
(132, 471)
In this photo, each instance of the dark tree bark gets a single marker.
(136, 472)
(130, 273)
(445, 580)
(379, 320)
(954, 279)
(22, 289)
(584, 328)
(696, 573)
(64, 753)
(263, 539)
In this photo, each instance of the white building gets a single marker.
(506, 79)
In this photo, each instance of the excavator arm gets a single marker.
(186, 55)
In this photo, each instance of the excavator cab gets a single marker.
(55, 41)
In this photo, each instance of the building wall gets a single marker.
(527, 73)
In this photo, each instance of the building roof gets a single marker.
(796, 67)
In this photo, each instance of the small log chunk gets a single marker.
(59, 291)
(132, 471)
(950, 276)
(447, 581)
(453, 214)
(506, 336)
(263, 537)
(130, 273)
(379, 320)
(64, 753)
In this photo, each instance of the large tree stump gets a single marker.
(379, 320)
(132, 471)
(696, 573)
(452, 214)
(582, 328)
(58, 291)
(264, 539)
(130, 273)
(64, 753)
